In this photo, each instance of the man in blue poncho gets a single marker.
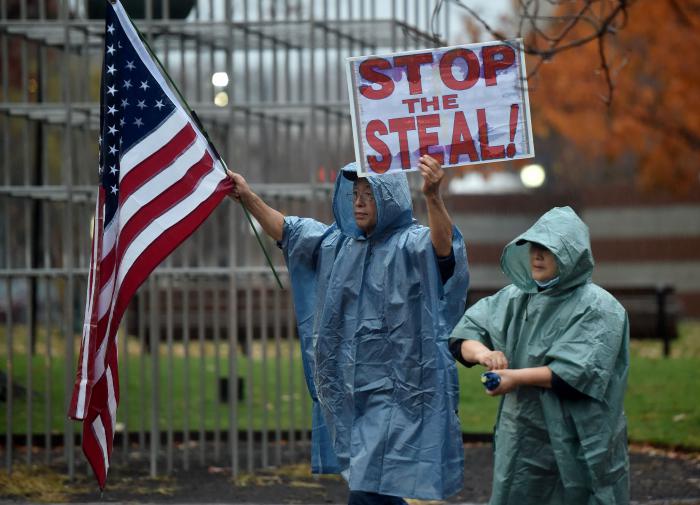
(376, 296)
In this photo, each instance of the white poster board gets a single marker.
(462, 105)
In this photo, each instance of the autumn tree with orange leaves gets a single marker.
(649, 115)
(613, 87)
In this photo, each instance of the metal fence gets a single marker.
(209, 362)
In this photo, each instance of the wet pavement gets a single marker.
(658, 477)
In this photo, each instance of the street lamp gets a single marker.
(221, 99)
(532, 176)
(219, 79)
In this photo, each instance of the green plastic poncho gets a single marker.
(374, 320)
(551, 450)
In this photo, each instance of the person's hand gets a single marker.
(432, 173)
(241, 191)
(493, 360)
(508, 383)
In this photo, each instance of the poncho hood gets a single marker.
(562, 232)
(391, 194)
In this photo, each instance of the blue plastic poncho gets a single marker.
(548, 449)
(373, 318)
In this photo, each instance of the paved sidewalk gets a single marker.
(658, 477)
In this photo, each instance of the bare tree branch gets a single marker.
(538, 27)
(606, 71)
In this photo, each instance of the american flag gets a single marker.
(159, 180)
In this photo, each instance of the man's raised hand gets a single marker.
(432, 173)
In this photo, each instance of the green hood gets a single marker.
(561, 231)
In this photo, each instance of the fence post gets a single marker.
(662, 330)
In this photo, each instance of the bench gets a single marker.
(653, 311)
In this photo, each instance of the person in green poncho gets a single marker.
(560, 346)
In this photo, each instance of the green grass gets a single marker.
(662, 394)
(661, 402)
(204, 411)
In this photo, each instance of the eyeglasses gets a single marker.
(363, 197)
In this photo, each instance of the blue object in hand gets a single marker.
(490, 380)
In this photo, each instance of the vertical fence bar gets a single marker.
(261, 96)
(9, 378)
(394, 37)
(313, 162)
(233, 341)
(416, 22)
(291, 390)
(249, 373)
(154, 334)
(42, 217)
(265, 382)
(186, 374)
(170, 393)
(124, 396)
(142, 368)
(232, 257)
(202, 367)
(406, 20)
(278, 376)
(67, 177)
(30, 368)
(27, 205)
(6, 237)
(216, 316)
(247, 85)
(339, 47)
(48, 426)
(448, 33)
(169, 279)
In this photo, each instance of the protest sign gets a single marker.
(462, 105)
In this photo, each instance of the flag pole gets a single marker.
(196, 119)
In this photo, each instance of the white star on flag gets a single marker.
(144, 85)
(110, 50)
